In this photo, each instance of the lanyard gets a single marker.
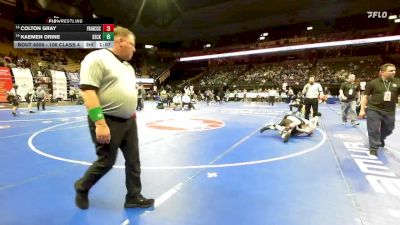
(387, 87)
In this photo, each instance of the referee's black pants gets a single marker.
(40, 100)
(271, 100)
(308, 103)
(298, 106)
(123, 135)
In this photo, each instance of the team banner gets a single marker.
(145, 80)
(40, 77)
(59, 84)
(5, 83)
(73, 80)
(24, 80)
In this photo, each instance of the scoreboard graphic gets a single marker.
(91, 33)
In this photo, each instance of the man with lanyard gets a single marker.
(380, 99)
(108, 88)
(312, 92)
(349, 93)
(293, 125)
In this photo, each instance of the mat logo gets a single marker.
(381, 179)
(348, 137)
(182, 124)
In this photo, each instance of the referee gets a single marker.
(108, 86)
(381, 96)
(311, 91)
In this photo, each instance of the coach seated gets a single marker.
(164, 97)
(187, 101)
(177, 102)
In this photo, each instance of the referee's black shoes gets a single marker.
(81, 198)
(139, 202)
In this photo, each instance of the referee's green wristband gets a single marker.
(96, 114)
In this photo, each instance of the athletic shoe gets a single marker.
(373, 151)
(139, 202)
(285, 136)
(81, 198)
(264, 129)
(267, 127)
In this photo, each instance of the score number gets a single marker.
(108, 32)
(108, 27)
(108, 36)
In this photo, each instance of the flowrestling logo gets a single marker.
(383, 15)
(377, 14)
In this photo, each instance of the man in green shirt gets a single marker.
(381, 96)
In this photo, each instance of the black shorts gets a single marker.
(15, 102)
(285, 122)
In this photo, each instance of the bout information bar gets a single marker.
(64, 33)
